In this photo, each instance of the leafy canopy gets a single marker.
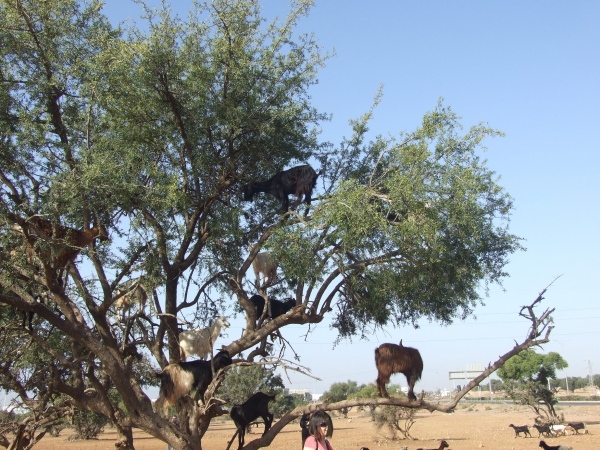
(153, 133)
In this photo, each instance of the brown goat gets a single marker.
(131, 293)
(392, 358)
(442, 446)
(71, 241)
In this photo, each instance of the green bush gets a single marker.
(88, 424)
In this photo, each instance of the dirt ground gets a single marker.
(470, 427)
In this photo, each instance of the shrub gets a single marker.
(88, 424)
(395, 419)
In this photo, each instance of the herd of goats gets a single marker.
(179, 379)
(549, 430)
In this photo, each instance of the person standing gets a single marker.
(174, 421)
(317, 427)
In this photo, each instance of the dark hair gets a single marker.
(314, 426)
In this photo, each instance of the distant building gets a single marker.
(306, 393)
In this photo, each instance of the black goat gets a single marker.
(256, 406)
(259, 303)
(177, 380)
(577, 426)
(522, 429)
(553, 447)
(299, 180)
(543, 429)
(278, 307)
(26, 323)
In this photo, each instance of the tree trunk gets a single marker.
(124, 438)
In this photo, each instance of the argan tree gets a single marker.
(123, 153)
(526, 380)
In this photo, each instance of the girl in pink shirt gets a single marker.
(317, 427)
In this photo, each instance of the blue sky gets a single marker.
(530, 69)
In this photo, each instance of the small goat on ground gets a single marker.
(553, 447)
(177, 380)
(442, 446)
(256, 406)
(200, 341)
(130, 293)
(558, 430)
(299, 181)
(278, 307)
(392, 358)
(577, 426)
(543, 429)
(263, 263)
(522, 429)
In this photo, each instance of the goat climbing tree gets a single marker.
(151, 134)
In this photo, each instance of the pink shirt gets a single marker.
(310, 442)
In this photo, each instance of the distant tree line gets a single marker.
(574, 383)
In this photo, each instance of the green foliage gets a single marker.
(531, 366)
(153, 134)
(286, 403)
(370, 391)
(576, 382)
(88, 424)
(525, 378)
(241, 382)
(341, 391)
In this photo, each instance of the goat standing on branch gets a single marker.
(200, 341)
(263, 263)
(177, 380)
(278, 307)
(130, 293)
(253, 408)
(56, 245)
(392, 358)
(299, 181)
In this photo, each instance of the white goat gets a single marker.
(263, 263)
(130, 293)
(200, 341)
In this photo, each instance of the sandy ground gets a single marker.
(470, 427)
